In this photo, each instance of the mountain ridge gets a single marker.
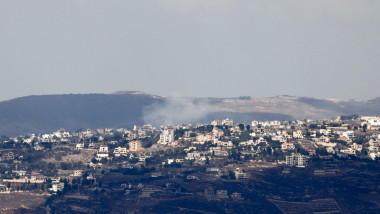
(47, 113)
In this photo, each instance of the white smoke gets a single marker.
(176, 111)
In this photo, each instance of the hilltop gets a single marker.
(46, 113)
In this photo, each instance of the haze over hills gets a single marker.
(47, 113)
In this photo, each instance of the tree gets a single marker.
(313, 126)
(227, 132)
(65, 166)
(51, 166)
(133, 160)
(231, 175)
(149, 141)
(365, 126)
(50, 200)
(178, 133)
(269, 150)
(244, 136)
(94, 139)
(93, 160)
(241, 127)
(235, 154)
(321, 151)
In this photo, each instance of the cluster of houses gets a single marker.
(298, 140)
(211, 194)
(289, 134)
(23, 177)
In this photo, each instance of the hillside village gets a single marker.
(193, 163)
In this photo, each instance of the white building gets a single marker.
(240, 174)
(193, 156)
(374, 121)
(79, 146)
(166, 136)
(297, 160)
(103, 151)
(287, 146)
(228, 144)
(57, 185)
(279, 138)
(170, 161)
(120, 151)
(297, 134)
(348, 134)
(357, 147)
(325, 132)
(374, 155)
(103, 148)
(77, 173)
(228, 122)
(348, 151)
(247, 143)
(275, 123)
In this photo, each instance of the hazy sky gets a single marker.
(324, 48)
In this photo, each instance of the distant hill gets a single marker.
(300, 107)
(47, 113)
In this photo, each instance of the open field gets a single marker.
(13, 202)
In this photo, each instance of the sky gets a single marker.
(196, 48)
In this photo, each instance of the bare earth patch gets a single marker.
(9, 203)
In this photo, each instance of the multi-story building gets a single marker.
(240, 174)
(193, 156)
(287, 146)
(325, 132)
(7, 156)
(348, 134)
(57, 185)
(120, 151)
(79, 146)
(103, 148)
(103, 151)
(297, 160)
(166, 136)
(135, 146)
(297, 134)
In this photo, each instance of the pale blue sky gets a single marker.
(327, 48)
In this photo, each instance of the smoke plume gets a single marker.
(176, 111)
